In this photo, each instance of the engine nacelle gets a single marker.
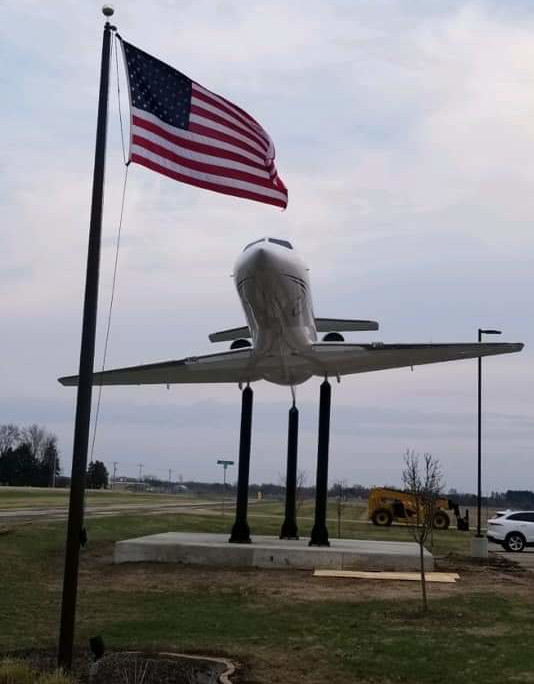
(333, 337)
(240, 344)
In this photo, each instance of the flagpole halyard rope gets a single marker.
(116, 261)
(117, 38)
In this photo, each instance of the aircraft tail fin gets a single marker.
(343, 325)
(230, 335)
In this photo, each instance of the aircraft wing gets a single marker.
(340, 358)
(229, 366)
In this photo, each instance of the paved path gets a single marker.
(60, 513)
(525, 558)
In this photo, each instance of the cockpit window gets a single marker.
(283, 243)
(253, 243)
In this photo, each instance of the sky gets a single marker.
(404, 132)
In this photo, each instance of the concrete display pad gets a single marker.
(269, 552)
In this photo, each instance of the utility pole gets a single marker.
(141, 466)
(479, 431)
(479, 543)
(225, 465)
(54, 469)
(115, 464)
(170, 476)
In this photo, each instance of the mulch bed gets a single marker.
(141, 668)
(124, 667)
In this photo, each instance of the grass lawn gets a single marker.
(283, 626)
(37, 497)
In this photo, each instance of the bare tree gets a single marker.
(9, 437)
(341, 502)
(301, 483)
(37, 439)
(423, 481)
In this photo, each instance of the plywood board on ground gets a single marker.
(445, 577)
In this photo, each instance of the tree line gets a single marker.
(29, 456)
(511, 498)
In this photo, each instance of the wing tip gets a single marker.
(68, 380)
(506, 347)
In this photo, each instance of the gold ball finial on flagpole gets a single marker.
(108, 11)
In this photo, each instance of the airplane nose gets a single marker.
(261, 259)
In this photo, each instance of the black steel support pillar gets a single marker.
(319, 534)
(289, 527)
(75, 533)
(479, 443)
(240, 530)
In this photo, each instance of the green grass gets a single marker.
(265, 518)
(341, 640)
(15, 672)
(19, 672)
(367, 640)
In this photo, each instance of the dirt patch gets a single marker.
(501, 576)
(455, 563)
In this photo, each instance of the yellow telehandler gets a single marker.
(387, 505)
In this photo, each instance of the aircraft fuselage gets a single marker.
(274, 288)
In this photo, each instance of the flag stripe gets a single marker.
(209, 135)
(221, 102)
(210, 106)
(194, 141)
(228, 170)
(200, 155)
(210, 132)
(213, 178)
(226, 130)
(278, 201)
(205, 113)
(201, 98)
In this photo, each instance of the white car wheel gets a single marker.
(514, 542)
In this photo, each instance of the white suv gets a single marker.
(512, 529)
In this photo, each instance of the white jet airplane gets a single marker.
(273, 285)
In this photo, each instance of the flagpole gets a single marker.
(75, 531)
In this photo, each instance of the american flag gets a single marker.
(186, 132)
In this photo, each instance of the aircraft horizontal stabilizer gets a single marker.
(343, 325)
(341, 358)
(230, 335)
(230, 366)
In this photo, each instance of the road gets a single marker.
(61, 512)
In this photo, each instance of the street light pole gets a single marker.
(225, 465)
(479, 462)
